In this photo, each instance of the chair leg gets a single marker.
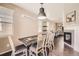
(12, 54)
(26, 52)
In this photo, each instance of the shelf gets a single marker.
(43, 34)
(6, 22)
(44, 30)
(44, 26)
(6, 17)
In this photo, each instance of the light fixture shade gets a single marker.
(41, 14)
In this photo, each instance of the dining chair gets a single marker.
(16, 52)
(38, 49)
(50, 41)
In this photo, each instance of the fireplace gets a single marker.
(68, 37)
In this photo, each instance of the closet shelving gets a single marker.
(44, 27)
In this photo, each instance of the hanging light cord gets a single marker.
(41, 4)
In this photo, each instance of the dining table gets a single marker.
(28, 41)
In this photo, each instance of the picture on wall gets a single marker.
(71, 16)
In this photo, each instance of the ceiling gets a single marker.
(54, 11)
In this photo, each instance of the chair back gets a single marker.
(41, 42)
(12, 45)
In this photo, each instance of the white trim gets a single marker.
(71, 47)
(76, 49)
(68, 45)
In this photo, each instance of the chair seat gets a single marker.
(20, 49)
(35, 49)
(20, 54)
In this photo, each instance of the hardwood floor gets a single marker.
(68, 51)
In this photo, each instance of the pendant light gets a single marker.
(41, 14)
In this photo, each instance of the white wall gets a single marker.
(22, 26)
(73, 26)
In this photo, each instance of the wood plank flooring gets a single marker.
(68, 51)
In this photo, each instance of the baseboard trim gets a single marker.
(71, 47)
(68, 45)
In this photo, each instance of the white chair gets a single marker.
(50, 40)
(39, 49)
(12, 45)
(14, 52)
